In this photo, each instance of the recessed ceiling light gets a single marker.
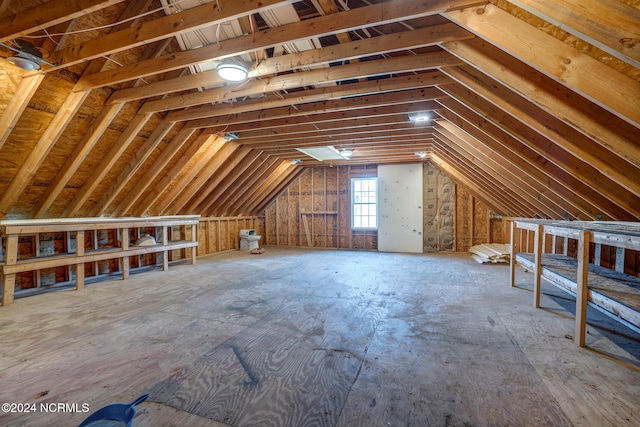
(421, 154)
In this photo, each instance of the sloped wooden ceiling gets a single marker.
(534, 104)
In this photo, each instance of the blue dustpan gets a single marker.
(119, 413)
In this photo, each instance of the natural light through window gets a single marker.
(364, 202)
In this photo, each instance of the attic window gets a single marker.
(364, 203)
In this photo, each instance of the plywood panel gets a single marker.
(331, 194)
(224, 232)
(498, 231)
(306, 205)
(282, 219)
(234, 235)
(480, 223)
(293, 215)
(203, 238)
(343, 207)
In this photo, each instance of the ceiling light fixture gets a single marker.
(346, 153)
(421, 154)
(24, 63)
(295, 161)
(419, 117)
(232, 72)
(28, 57)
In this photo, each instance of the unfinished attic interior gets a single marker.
(268, 213)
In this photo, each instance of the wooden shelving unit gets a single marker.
(560, 251)
(88, 246)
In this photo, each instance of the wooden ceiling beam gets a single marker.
(179, 176)
(459, 178)
(96, 130)
(29, 84)
(361, 106)
(336, 117)
(229, 157)
(47, 15)
(120, 145)
(328, 7)
(321, 56)
(141, 155)
(191, 179)
(576, 111)
(205, 141)
(257, 177)
(128, 173)
(38, 154)
(586, 149)
(403, 147)
(581, 177)
(252, 178)
(496, 192)
(257, 108)
(248, 205)
(547, 175)
(347, 126)
(549, 147)
(376, 14)
(289, 118)
(285, 182)
(520, 185)
(387, 138)
(217, 182)
(79, 154)
(613, 27)
(374, 127)
(223, 194)
(612, 90)
(167, 26)
(404, 64)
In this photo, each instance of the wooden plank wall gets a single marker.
(315, 211)
(220, 234)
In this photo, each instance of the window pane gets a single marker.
(364, 199)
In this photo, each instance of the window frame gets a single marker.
(354, 203)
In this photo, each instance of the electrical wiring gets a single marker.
(102, 27)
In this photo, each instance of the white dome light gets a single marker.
(346, 153)
(232, 72)
(24, 63)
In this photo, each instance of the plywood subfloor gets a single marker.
(319, 338)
